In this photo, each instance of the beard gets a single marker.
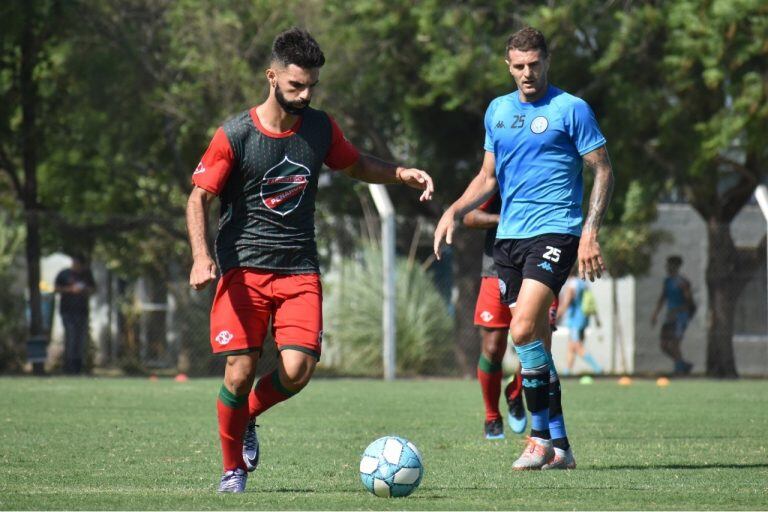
(294, 108)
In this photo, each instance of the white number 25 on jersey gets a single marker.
(552, 254)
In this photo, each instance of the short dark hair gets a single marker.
(296, 46)
(527, 39)
(675, 260)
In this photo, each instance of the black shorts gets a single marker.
(545, 258)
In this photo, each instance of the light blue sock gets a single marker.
(556, 419)
(593, 363)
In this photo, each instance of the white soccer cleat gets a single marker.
(233, 481)
(563, 459)
(535, 455)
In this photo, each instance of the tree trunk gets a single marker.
(29, 155)
(723, 288)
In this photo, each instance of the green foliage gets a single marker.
(353, 313)
(12, 325)
(629, 245)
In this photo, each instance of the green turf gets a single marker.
(71, 443)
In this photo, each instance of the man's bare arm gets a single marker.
(591, 263)
(479, 190)
(203, 267)
(481, 219)
(375, 170)
(602, 189)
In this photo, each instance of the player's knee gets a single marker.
(297, 380)
(523, 330)
(495, 344)
(297, 371)
(239, 373)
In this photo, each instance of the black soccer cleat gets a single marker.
(494, 429)
(251, 446)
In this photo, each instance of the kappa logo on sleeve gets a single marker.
(200, 169)
(283, 186)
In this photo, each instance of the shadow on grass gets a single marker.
(679, 466)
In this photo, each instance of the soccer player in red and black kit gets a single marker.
(263, 164)
(493, 318)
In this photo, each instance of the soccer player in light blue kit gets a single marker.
(676, 291)
(577, 321)
(537, 140)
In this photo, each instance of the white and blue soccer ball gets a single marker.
(391, 467)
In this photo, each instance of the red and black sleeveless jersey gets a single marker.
(267, 183)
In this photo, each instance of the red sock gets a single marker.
(489, 375)
(268, 392)
(233, 419)
(514, 387)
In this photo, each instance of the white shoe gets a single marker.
(563, 459)
(233, 481)
(535, 455)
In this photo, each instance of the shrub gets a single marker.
(353, 318)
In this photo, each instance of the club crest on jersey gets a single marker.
(539, 124)
(283, 186)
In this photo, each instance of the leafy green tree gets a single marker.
(31, 49)
(688, 96)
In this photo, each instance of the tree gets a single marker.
(30, 46)
(688, 87)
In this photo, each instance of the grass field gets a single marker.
(71, 443)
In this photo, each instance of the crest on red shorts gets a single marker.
(283, 186)
(224, 337)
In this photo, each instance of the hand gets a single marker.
(590, 257)
(444, 229)
(417, 179)
(203, 272)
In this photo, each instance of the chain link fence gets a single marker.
(153, 322)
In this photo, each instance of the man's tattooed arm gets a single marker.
(602, 189)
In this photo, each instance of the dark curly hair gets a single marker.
(528, 39)
(296, 46)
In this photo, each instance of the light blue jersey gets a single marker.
(538, 148)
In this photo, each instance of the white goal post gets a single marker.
(389, 326)
(761, 194)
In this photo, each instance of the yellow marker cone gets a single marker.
(625, 381)
(662, 382)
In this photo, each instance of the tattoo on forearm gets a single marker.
(602, 188)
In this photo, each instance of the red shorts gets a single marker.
(246, 299)
(489, 311)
